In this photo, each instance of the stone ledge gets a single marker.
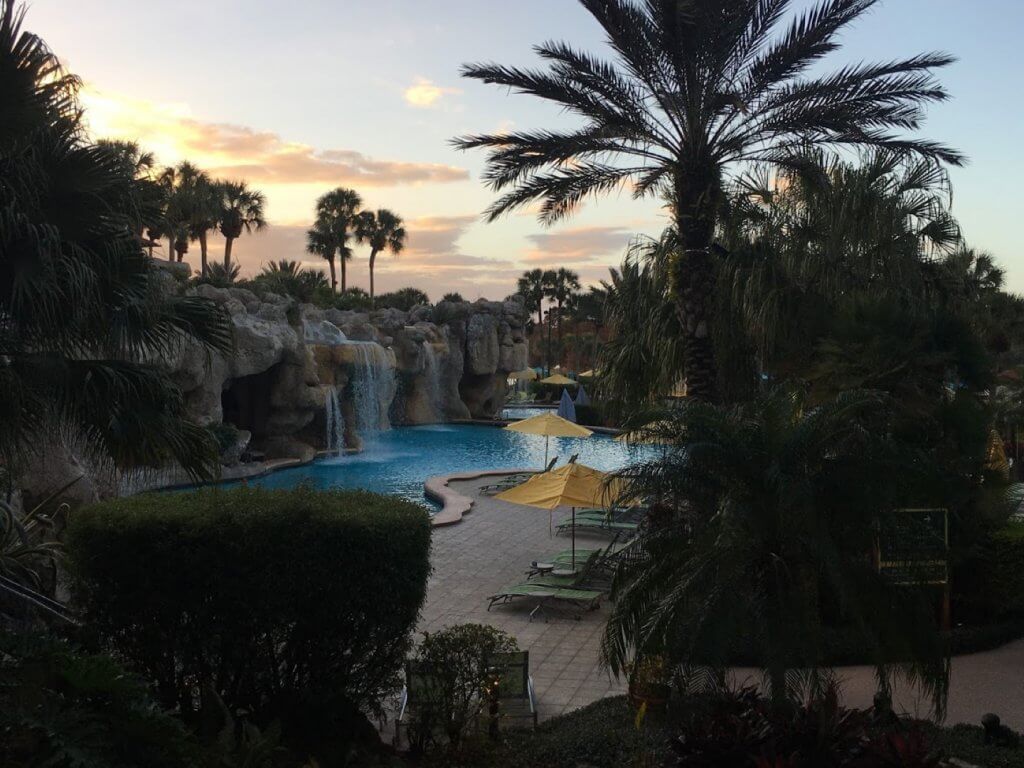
(455, 504)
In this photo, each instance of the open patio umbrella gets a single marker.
(566, 407)
(558, 378)
(549, 425)
(587, 375)
(573, 485)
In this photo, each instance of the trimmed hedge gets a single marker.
(1005, 572)
(295, 606)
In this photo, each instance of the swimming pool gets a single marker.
(513, 413)
(400, 460)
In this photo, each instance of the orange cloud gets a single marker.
(237, 150)
(582, 244)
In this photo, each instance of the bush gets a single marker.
(62, 707)
(453, 297)
(294, 606)
(461, 667)
(404, 299)
(1003, 573)
(225, 435)
(353, 299)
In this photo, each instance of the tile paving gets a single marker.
(495, 543)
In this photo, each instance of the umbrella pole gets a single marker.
(574, 539)
(547, 439)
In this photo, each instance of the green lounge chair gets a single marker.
(511, 481)
(597, 524)
(515, 691)
(579, 598)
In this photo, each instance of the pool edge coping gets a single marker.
(455, 505)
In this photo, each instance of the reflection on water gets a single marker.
(400, 460)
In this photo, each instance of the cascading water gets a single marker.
(372, 385)
(335, 420)
(432, 378)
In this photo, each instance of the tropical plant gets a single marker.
(534, 286)
(460, 667)
(241, 210)
(694, 88)
(453, 297)
(145, 197)
(355, 299)
(562, 289)
(404, 299)
(189, 208)
(220, 276)
(61, 706)
(289, 278)
(383, 231)
(328, 238)
(643, 358)
(762, 524)
(82, 306)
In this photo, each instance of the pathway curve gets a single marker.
(495, 543)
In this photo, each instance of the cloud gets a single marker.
(582, 244)
(424, 94)
(226, 149)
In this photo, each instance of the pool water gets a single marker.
(511, 413)
(400, 460)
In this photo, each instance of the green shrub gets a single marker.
(62, 707)
(403, 299)
(454, 297)
(224, 434)
(294, 606)
(1000, 589)
(460, 667)
(353, 299)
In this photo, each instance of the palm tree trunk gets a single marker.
(171, 253)
(228, 242)
(344, 277)
(693, 274)
(373, 258)
(202, 250)
(334, 276)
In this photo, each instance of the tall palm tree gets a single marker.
(189, 209)
(145, 197)
(695, 87)
(565, 285)
(241, 210)
(383, 230)
(533, 286)
(328, 238)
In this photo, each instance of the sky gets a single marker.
(304, 96)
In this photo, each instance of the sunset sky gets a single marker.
(304, 96)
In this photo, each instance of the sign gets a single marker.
(913, 546)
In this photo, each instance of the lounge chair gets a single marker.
(579, 598)
(597, 525)
(511, 481)
(515, 691)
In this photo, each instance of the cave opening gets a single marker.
(246, 402)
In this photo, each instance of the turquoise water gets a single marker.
(513, 413)
(400, 460)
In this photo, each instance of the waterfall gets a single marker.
(335, 437)
(432, 378)
(372, 383)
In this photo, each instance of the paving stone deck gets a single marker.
(495, 543)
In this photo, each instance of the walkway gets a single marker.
(495, 543)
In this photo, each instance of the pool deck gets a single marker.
(492, 547)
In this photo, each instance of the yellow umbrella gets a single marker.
(558, 379)
(573, 485)
(527, 374)
(550, 425)
(587, 375)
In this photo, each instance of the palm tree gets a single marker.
(762, 521)
(83, 316)
(145, 198)
(336, 214)
(695, 87)
(241, 210)
(290, 278)
(383, 230)
(563, 287)
(533, 286)
(190, 208)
